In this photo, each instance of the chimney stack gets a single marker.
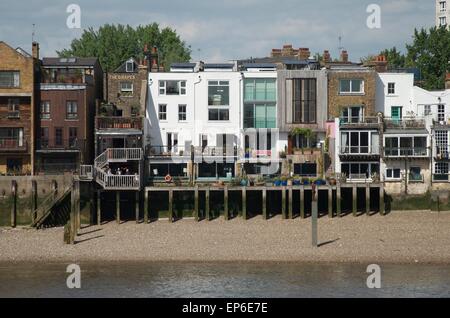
(154, 67)
(275, 52)
(287, 50)
(326, 56)
(303, 53)
(35, 50)
(344, 56)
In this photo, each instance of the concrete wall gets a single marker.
(24, 195)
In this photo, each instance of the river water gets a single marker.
(223, 280)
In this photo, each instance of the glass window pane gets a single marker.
(260, 89)
(271, 90)
(249, 86)
(345, 86)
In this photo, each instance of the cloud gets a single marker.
(223, 30)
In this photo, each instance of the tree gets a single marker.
(395, 58)
(430, 53)
(113, 44)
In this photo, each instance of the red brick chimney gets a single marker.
(154, 60)
(35, 50)
(304, 53)
(326, 56)
(344, 56)
(287, 50)
(275, 52)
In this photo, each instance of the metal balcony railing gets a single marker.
(118, 122)
(231, 151)
(405, 123)
(117, 182)
(405, 152)
(168, 151)
(86, 172)
(13, 144)
(123, 154)
(359, 150)
(358, 120)
(260, 122)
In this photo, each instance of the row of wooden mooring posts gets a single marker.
(286, 193)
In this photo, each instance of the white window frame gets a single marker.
(351, 92)
(391, 88)
(180, 113)
(127, 90)
(45, 109)
(132, 66)
(162, 112)
(392, 177)
(162, 86)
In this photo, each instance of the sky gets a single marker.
(218, 31)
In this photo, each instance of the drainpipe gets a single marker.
(195, 171)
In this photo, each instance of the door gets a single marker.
(396, 113)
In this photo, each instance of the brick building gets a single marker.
(69, 91)
(17, 122)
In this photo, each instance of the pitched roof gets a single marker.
(123, 67)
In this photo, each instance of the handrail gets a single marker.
(42, 211)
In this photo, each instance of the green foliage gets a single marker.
(306, 132)
(113, 44)
(429, 52)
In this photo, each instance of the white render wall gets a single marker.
(196, 99)
(404, 96)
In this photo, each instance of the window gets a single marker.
(305, 169)
(73, 136)
(359, 142)
(71, 110)
(353, 114)
(45, 110)
(129, 67)
(427, 110)
(181, 112)
(218, 114)
(58, 136)
(360, 170)
(351, 86)
(44, 137)
(415, 174)
(442, 21)
(393, 174)
(391, 88)
(441, 113)
(218, 93)
(9, 79)
(441, 137)
(442, 6)
(162, 112)
(218, 100)
(304, 101)
(126, 88)
(172, 87)
(13, 108)
(406, 146)
(11, 137)
(260, 115)
(261, 89)
(441, 171)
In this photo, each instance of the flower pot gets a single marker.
(305, 182)
(320, 182)
(297, 182)
(332, 182)
(284, 183)
(277, 183)
(244, 183)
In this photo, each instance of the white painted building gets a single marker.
(442, 13)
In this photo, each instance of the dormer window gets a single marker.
(129, 67)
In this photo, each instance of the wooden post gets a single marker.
(145, 206)
(207, 204)
(355, 200)
(367, 199)
(225, 203)
(171, 205)
(118, 207)
(14, 203)
(73, 213)
(338, 200)
(382, 207)
(99, 208)
(244, 203)
(34, 198)
(264, 203)
(196, 205)
(283, 203)
(330, 201)
(302, 202)
(92, 203)
(78, 207)
(314, 216)
(291, 212)
(137, 207)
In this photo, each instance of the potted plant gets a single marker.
(260, 181)
(284, 181)
(296, 181)
(320, 182)
(306, 181)
(247, 153)
(332, 181)
(277, 182)
(283, 155)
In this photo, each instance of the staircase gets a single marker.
(46, 207)
(117, 182)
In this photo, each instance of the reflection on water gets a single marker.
(223, 280)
